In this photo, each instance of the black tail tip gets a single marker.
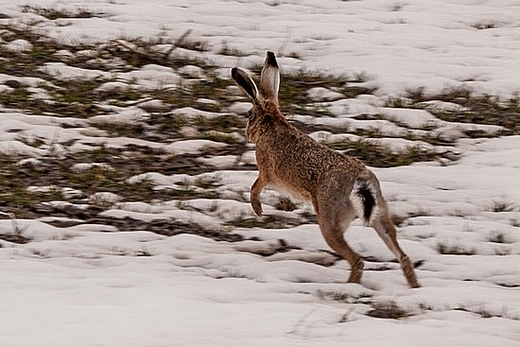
(369, 201)
(270, 59)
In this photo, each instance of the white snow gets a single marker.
(130, 115)
(19, 45)
(152, 76)
(94, 285)
(192, 146)
(64, 71)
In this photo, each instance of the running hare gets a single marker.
(340, 187)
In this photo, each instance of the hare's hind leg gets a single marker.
(333, 224)
(386, 230)
(256, 189)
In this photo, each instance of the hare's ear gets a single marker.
(270, 77)
(246, 83)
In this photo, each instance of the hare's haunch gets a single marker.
(339, 187)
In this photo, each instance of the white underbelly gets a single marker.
(295, 196)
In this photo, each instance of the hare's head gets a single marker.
(265, 98)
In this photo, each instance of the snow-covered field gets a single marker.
(92, 264)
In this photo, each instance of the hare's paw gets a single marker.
(257, 207)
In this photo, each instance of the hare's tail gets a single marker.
(363, 198)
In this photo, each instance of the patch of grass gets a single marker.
(398, 220)
(186, 42)
(294, 55)
(16, 198)
(502, 206)
(483, 313)
(453, 249)
(433, 138)
(502, 251)
(398, 6)
(224, 123)
(377, 155)
(76, 97)
(212, 87)
(120, 96)
(112, 177)
(210, 182)
(126, 130)
(53, 13)
(139, 51)
(226, 50)
(266, 222)
(95, 179)
(15, 98)
(485, 24)
(25, 63)
(168, 125)
(477, 109)
(497, 237)
(387, 310)
(122, 54)
(362, 298)
(18, 230)
(220, 137)
(397, 102)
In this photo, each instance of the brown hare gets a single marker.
(339, 187)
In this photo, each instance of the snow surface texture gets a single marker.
(93, 285)
(400, 45)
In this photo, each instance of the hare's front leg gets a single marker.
(256, 189)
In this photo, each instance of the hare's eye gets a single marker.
(250, 113)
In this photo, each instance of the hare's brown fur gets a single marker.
(339, 187)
